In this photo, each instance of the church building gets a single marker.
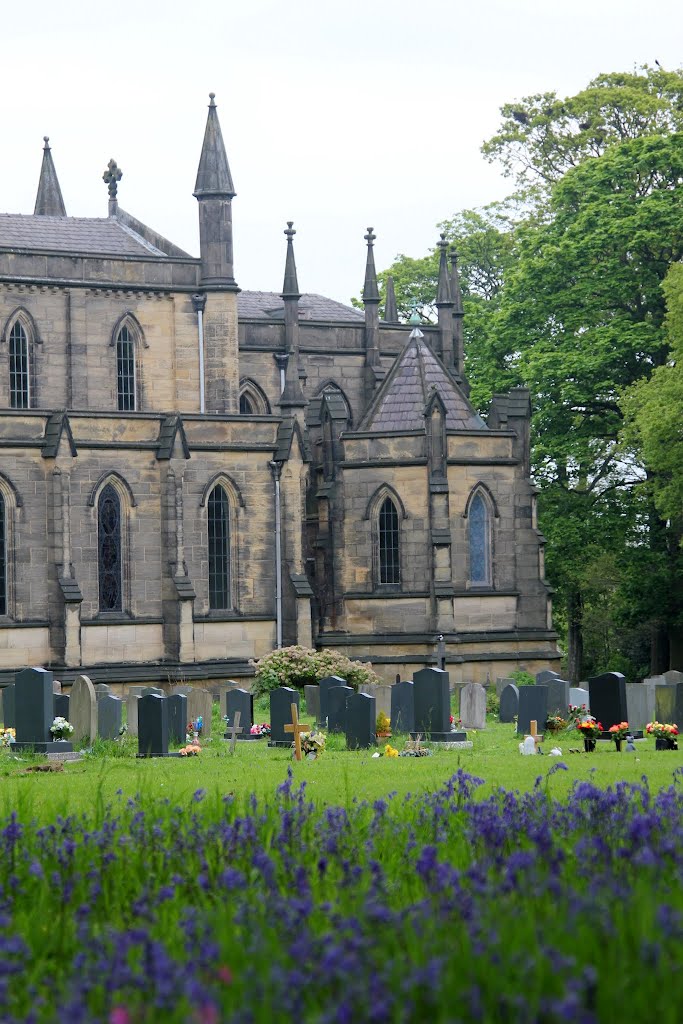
(192, 474)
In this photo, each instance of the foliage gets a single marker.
(383, 723)
(299, 666)
(148, 910)
(555, 723)
(492, 701)
(522, 678)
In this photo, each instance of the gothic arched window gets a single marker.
(109, 549)
(126, 377)
(246, 408)
(19, 368)
(389, 554)
(253, 401)
(3, 557)
(479, 541)
(218, 522)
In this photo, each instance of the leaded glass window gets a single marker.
(219, 548)
(3, 558)
(125, 370)
(246, 408)
(19, 378)
(480, 547)
(389, 552)
(109, 550)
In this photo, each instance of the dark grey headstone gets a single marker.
(101, 689)
(150, 689)
(152, 725)
(9, 718)
(640, 704)
(502, 682)
(177, 717)
(669, 704)
(326, 685)
(558, 696)
(509, 703)
(109, 716)
(281, 701)
(403, 707)
(533, 706)
(312, 698)
(608, 698)
(432, 703)
(61, 701)
(337, 700)
(546, 675)
(361, 716)
(34, 705)
(242, 701)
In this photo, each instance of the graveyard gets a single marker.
(140, 884)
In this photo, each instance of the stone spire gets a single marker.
(390, 310)
(373, 363)
(292, 396)
(458, 313)
(214, 191)
(370, 289)
(444, 303)
(49, 202)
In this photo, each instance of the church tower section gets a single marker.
(437, 534)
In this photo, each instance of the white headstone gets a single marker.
(83, 711)
(473, 706)
(199, 702)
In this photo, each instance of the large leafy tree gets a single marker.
(583, 318)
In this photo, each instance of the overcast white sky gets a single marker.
(335, 115)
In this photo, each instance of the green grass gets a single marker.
(335, 778)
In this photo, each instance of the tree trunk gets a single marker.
(575, 635)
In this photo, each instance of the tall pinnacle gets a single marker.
(213, 174)
(444, 296)
(390, 310)
(49, 202)
(290, 288)
(370, 289)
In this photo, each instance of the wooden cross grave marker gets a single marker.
(234, 730)
(297, 729)
(533, 729)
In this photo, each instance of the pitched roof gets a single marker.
(269, 306)
(87, 236)
(401, 401)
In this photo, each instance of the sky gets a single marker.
(337, 116)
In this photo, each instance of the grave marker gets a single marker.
(34, 710)
(546, 676)
(669, 704)
(132, 696)
(177, 718)
(509, 703)
(558, 696)
(109, 716)
(242, 701)
(473, 706)
(153, 726)
(234, 729)
(297, 730)
(533, 703)
(640, 705)
(608, 698)
(361, 718)
(312, 698)
(199, 702)
(403, 707)
(83, 711)
(9, 719)
(433, 707)
(578, 696)
(337, 701)
(327, 684)
(281, 700)
(61, 705)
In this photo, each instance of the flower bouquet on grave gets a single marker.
(618, 732)
(260, 730)
(191, 750)
(590, 730)
(555, 723)
(194, 729)
(665, 735)
(312, 744)
(576, 712)
(383, 726)
(7, 737)
(60, 728)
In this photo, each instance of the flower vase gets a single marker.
(617, 744)
(588, 745)
(665, 744)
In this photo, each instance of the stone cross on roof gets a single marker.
(112, 176)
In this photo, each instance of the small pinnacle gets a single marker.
(442, 243)
(46, 139)
(212, 97)
(369, 238)
(290, 232)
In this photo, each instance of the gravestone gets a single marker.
(83, 711)
(109, 716)
(668, 704)
(9, 719)
(558, 696)
(640, 704)
(509, 703)
(312, 698)
(473, 706)
(152, 726)
(61, 705)
(326, 685)
(101, 689)
(403, 707)
(281, 701)
(578, 697)
(132, 696)
(361, 716)
(146, 690)
(56, 686)
(433, 706)
(382, 694)
(502, 683)
(533, 706)
(34, 711)
(183, 688)
(242, 701)
(199, 702)
(546, 675)
(608, 698)
(337, 700)
(177, 718)
(673, 676)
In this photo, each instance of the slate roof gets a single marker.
(87, 236)
(269, 306)
(401, 401)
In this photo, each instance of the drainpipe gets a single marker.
(199, 305)
(276, 469)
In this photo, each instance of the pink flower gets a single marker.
(120, 1015)
(207, 1014)
(224, 974)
